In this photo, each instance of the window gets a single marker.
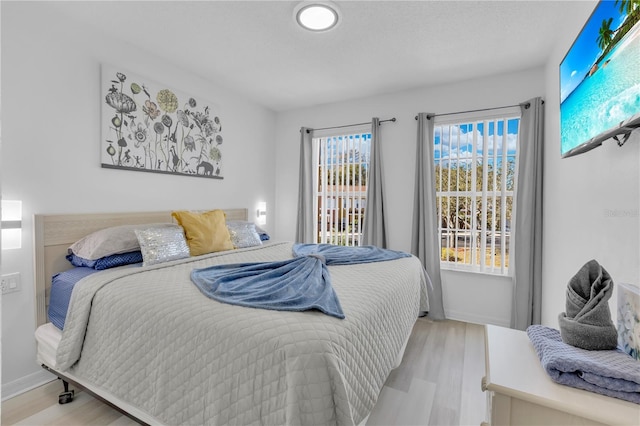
(341, 182)
(475, 165)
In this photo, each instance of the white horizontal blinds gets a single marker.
(475, 164)
(341, 199)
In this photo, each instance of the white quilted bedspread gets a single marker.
(149, 337)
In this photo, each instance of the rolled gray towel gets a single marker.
(587, 321)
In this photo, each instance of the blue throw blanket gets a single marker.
(608, 372)
(340, 255)
(298, 284)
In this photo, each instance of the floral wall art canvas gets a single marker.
(629, 319)
(149, 127)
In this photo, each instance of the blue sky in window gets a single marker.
(356, 146)
(585, 51)
(456, 141)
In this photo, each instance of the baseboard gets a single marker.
(476, 319)
(26, 383)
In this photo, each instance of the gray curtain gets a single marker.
(306, 215)
(425, 240)
(526, 247)
(374, 229)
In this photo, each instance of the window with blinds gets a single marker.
(475, 165)
(341, 182)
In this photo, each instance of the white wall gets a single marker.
(51, 157)
(465, 296)
(591, 201)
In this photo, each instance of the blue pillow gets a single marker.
(263, 234)
(107, 261)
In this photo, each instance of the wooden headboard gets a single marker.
(53, 234)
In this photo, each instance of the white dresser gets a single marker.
(520, 392)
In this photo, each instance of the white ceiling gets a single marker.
(257, 49)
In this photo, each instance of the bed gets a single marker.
(148, 342)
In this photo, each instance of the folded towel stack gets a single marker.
(608, 372)
(587, 321)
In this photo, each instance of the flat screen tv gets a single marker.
(600, 78)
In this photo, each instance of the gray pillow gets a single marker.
(162, 243)
(243, 234)
(106, 242)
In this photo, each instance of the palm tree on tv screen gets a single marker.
(605, 34)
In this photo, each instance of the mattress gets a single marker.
(149, 337)
(47, 340)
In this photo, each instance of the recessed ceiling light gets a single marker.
(316, 16)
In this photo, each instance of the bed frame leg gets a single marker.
(66, 396)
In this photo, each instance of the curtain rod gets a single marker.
(525, 104)
(352, 125)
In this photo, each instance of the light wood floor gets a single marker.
(438, 384)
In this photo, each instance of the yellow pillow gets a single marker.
(205, 232)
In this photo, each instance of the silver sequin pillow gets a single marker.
(162, 243)
(243, 234)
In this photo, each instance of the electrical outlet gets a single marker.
(10, 283)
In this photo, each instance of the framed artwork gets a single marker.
(629, 319)
(149, 127)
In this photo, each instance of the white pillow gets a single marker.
(106, 242)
